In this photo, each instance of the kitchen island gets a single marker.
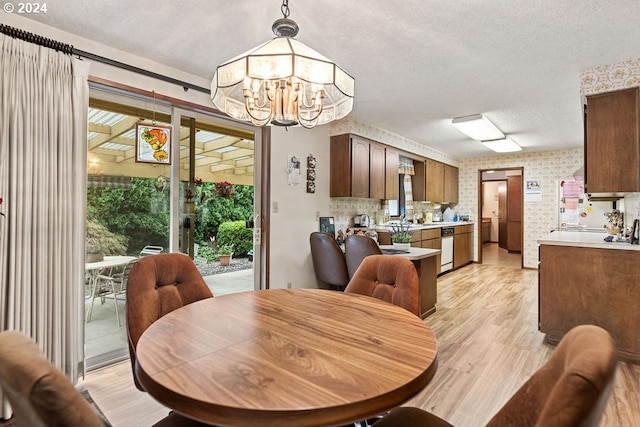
(456, 250)
(584, 280)
(425, 262)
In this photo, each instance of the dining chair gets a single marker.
(38, 392)
(390, 278)
(329, 262)
(571, 389)
(112, 286)
(150, 250)
(356, 248)
(158, 285)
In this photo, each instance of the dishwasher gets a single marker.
(447, 248)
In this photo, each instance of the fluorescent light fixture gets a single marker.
(503, 145)
(477, 127)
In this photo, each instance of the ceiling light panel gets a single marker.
(477, 127)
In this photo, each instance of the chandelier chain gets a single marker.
(285, 8)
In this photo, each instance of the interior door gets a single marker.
(514, 213)
(502, 215)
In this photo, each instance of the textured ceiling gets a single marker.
(417, 63)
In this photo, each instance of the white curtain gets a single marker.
(44, 99)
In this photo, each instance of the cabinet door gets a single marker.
(418, 181)
(460, 250)
(391, 176)
(434, 177)
(340, 166)
(612, 147)
(359, 167)
(514, 213)
(376, 171)
(450, 184)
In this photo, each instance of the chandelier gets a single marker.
(283, 82)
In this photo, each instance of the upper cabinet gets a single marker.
(362, 168)
(391, 176)
(612, 142)
(377, 171)
(349, 170)
(435, 182)
(434, 177)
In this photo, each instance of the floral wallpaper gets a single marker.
(549, 167)
(606, 78)
(539, 218)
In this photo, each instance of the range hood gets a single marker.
(578, 175)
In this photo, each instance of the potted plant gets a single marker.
(401, 236)
(225, 252)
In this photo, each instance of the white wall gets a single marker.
(297, 209)
(490, 206)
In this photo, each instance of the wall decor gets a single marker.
(327, 225)
(311, 174)
(293, 170)
(153, 143)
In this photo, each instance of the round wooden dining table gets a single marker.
(286, 357)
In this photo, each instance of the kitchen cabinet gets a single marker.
(450, 184)
(434, 181)
(349, 167)
(426, 238)
(418, 181)
(583, 285)
(486, 230)
(612, 142)
(362, 168)
(431, 239)
(377, 171)
(439, 180)
(391, 176)
(462, 245)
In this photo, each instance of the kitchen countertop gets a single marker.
(585, 239)
(426, 226)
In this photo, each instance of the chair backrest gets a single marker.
(390, 278)
(157, 285)
(151, 250)
(571, 389)
(39, 393)
(356, 248)
(328, 261)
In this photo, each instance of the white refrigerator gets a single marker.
(576, 211)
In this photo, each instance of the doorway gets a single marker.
(500, 207)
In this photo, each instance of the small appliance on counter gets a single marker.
(437, 216)
(362, 220)
(635, 232)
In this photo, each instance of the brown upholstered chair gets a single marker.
(39, 393)
(158, 285)
(356, 248)
(328, 261)
(571, 389)
(390, 278)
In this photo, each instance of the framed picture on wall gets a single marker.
(153, 144)
(327, 225)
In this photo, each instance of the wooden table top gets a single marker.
(286, 357)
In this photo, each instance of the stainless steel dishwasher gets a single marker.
(447, 248)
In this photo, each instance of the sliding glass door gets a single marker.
(169, 178)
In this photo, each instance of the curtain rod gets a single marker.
(70, 50)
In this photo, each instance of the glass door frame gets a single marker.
(177, 115)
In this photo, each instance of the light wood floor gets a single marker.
(488, 345)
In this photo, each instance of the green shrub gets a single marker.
(99, 240)
(236, 234)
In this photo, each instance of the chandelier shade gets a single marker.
(283, 82)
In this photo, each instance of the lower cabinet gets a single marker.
(462, 245)
(578, 285)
